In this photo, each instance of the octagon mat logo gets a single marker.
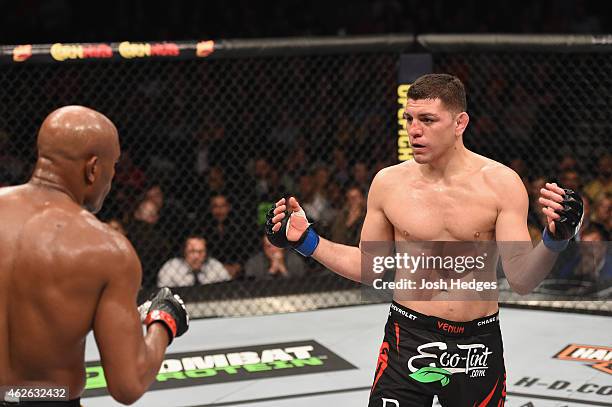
(598, 357)
(231, 364)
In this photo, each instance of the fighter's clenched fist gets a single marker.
(564, 211)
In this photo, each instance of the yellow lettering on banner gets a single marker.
(134, 50)
(400, 114)
(402, 90)
(61, 52)
(403, 142)
(405, 154)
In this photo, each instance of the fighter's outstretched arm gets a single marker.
(341, 259)
(525, 266)
(130, 361)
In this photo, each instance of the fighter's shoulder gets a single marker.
(389, 175)
(500, 178)
(11, 193)
(100, 240)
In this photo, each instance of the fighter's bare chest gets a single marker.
(465, 211)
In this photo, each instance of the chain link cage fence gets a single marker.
(209, 144)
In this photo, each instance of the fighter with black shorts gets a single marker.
(447, 193)
(421, 356)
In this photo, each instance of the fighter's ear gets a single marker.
(461, 122)
(92, 170)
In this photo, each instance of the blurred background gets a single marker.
(36, 21)
(198, 170)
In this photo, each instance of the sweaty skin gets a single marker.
(447, 193)
(64, 273)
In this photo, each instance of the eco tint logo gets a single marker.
(599, 357)
(232, 364)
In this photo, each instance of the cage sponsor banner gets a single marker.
(124, 50)
(260, 47)
(232, 364)
(411, 67)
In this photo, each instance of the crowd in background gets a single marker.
(228, 220)
(209, 228)
(209, 145)
(70, 20)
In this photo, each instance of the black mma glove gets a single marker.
(305, 245)
(168, 309)
(568, 225)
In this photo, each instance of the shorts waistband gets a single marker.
(405, 315)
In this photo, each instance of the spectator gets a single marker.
(128, 175)
(172, 217)
(262, 172)
(273, 262)
(335, 195)
(602, 211)
(340, 167)
(150, 244)
(314, 203)
(568, 162)
(603, 183)
(294, 166)
(228, 238)
(321, 198)
(274, 189)
(347, 227)
(361, 176)
(570, 179)
(212, 145)
(591, 259)
(194, 268)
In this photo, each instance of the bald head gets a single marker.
(77, 152)
(76, 132)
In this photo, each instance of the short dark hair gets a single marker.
(193, 237)
(448, 88)
(596, 228)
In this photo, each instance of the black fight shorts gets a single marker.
(423, 356)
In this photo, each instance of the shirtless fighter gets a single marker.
(64, 273)
(447, 193)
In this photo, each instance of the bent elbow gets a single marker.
(128, 394)
(519, 288)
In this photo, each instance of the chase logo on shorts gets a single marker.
(601, 356)
(232, 364)
(470, 359)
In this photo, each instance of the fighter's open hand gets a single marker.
(563, 209)
(287, 226)
(288, 216)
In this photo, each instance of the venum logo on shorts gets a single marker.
(470, 359)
